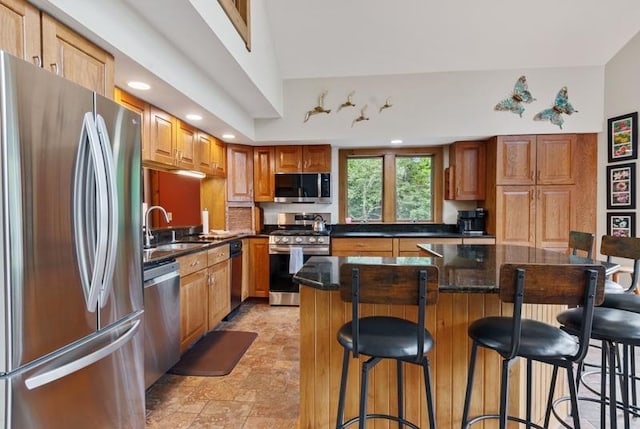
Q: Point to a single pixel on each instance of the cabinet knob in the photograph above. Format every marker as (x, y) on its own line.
(37, 61)
(54, 67)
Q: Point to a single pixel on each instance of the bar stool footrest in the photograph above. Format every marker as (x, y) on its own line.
(483, 417)
(379, 416)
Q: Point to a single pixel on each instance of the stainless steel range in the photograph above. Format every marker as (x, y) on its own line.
(290, 246)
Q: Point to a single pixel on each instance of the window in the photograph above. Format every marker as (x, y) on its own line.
(384, 185)
(238, 13)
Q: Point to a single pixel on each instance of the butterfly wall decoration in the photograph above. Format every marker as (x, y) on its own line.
(519, 95)
(560, 105)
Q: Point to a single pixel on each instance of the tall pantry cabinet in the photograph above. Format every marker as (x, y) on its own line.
(539, 187)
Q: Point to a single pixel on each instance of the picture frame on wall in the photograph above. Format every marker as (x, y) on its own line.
(621, 192)
(623, 137)
(621, 224)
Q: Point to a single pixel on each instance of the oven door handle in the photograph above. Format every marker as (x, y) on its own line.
(306, 250)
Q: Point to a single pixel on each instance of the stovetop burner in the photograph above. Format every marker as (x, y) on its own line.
(298, 232)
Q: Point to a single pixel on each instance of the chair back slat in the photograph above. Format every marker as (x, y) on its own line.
(620, 247)
(562, 284)
(583, 241)
(389, 284)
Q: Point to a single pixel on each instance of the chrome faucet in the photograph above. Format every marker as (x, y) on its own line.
(147, 232)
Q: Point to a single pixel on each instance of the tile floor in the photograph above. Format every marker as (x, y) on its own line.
(261, 391)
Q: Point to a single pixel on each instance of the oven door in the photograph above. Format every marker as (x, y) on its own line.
(282, 289)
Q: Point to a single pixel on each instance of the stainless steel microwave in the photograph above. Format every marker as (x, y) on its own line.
(302, 188)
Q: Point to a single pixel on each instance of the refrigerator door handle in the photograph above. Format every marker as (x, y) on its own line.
(88, 254)
(71, 367)
(112, 196)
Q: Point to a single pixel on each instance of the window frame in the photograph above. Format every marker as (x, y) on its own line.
(388, 179)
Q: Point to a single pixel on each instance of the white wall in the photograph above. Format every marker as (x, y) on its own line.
(622, 96)
(434, 107)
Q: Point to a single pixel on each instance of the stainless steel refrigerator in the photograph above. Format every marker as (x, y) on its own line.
(71, 351)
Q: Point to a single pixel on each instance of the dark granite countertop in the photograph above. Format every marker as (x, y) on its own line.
(464, 268)
(151, 257)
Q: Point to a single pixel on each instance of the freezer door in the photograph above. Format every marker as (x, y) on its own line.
(119, 131)
(43, 302)
(98, 383)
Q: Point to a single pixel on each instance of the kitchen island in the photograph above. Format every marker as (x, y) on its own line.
(468, 286)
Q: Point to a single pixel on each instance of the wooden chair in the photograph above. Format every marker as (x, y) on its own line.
(581, 241)
(622, 247)
(514, 337)
(386, 337)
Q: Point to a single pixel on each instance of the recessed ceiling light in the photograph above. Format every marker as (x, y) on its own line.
(396, 141)
(194, 117)
(139, 85)
(228, 136)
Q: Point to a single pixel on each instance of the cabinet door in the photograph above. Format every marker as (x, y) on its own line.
(193, 308)
(219, 158)
(20, 30)
(240, 173)
(219, 298)
(555, 159)
(73, 57)
(409, 246)
(316, 158)
(468, 159)
(555, 213)
(288, 159)
(259, 273)
(516, 160)
(515, 215)
(204, 151)
(362, 247)
(162, 134)
(142, 108)
(186, 137)
(263, 176)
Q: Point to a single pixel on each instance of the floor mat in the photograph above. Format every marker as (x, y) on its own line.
(216, 354)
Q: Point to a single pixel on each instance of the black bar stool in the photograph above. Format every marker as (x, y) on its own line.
(386, 337)
(514, 337)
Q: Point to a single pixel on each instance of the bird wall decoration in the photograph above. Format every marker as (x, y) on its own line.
(349, 102)
(361, 117)
(519, 95)
(318, 109)
(554, 114)
(387, 104)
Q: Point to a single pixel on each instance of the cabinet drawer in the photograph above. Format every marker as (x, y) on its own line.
(192, 263)
(360, 244)
(218, 254)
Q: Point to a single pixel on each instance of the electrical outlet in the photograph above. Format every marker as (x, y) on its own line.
(170, 216)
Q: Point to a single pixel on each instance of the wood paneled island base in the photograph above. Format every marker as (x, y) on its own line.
(322, 312)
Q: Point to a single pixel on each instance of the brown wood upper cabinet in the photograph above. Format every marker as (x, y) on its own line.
(142, 108)
(303, 159)
(162, 137)
(186, 144)
(465, 176)
(263, 177)
(37, 37)
(535, 160)
(211, 155)
(239, 173)
(20, 30)
(73, 57)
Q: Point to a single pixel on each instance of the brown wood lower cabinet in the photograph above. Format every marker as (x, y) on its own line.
(323, 312)
(219, 298)
(193, 305)
(356, 246)
(259, 267)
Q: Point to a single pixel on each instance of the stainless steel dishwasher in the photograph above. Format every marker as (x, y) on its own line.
(161, 321)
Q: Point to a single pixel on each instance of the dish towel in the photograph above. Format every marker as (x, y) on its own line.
(295, 259)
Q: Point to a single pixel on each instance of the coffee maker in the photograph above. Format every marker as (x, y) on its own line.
(471, 222)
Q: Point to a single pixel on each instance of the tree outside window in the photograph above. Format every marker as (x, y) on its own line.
(383, 185)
